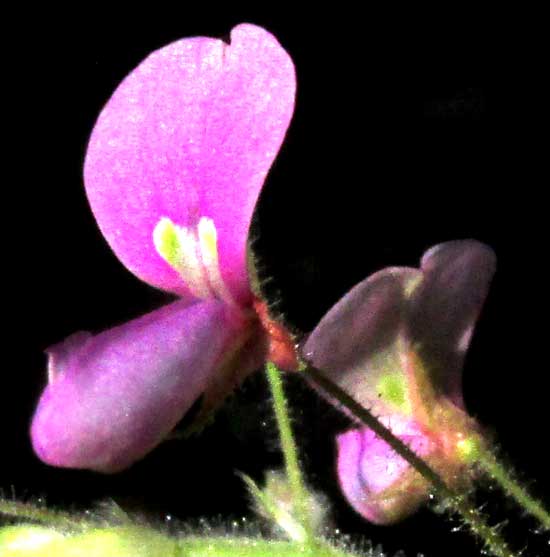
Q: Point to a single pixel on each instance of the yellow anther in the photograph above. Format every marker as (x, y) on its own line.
(208, 238)
(165, 238)
(193, 253)
(177, 245)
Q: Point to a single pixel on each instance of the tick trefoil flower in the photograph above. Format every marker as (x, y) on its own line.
(173, 169)
(396, 343)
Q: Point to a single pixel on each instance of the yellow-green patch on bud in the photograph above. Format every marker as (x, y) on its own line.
(411, 284)
(468, 449)
(392, 388)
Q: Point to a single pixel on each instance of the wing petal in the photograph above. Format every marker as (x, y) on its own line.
(114, 396)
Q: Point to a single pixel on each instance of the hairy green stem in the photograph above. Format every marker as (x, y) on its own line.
(35, 513)
(457, 502)
(290, 452)
(489, 463)
(239, 547)
(140, 541)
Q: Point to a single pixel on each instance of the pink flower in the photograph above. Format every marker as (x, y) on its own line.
(174, 167)
(396, 343)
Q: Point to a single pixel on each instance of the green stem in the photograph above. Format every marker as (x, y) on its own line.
(487, 460)
(290, 452)
(140, 541)
(28, 511)
(471, 515)
(242, 547)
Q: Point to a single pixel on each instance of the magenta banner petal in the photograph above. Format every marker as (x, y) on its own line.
(358, 345)
(378, 483)
(445, 307)
(114, 396)
(190, 133)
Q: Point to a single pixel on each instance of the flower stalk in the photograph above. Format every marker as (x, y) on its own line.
(40, 514)
(505, 479)
(289, 449)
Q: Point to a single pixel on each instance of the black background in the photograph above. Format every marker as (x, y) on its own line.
(404, 135)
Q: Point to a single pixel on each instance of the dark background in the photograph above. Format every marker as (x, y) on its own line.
(404, 135)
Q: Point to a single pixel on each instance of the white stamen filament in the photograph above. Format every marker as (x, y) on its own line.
(193, 253)
(189, 265)
(208, 239)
